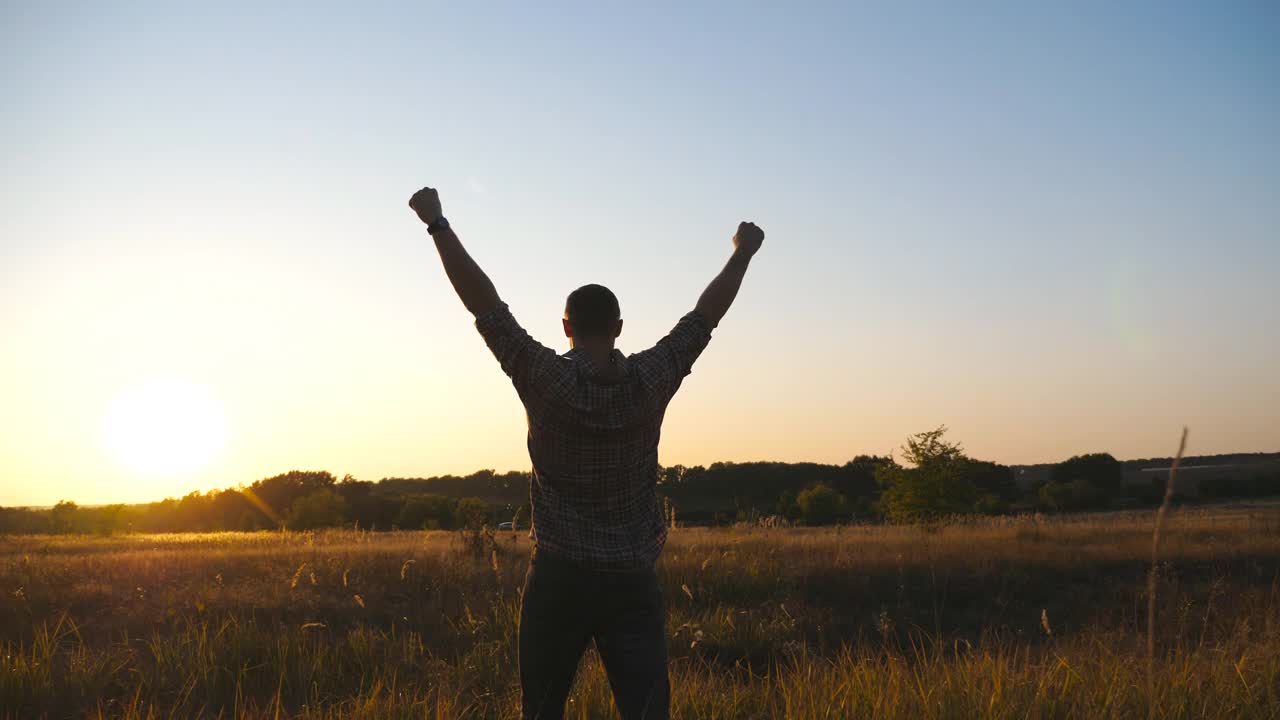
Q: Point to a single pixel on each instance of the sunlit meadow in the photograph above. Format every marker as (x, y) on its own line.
(999, 618)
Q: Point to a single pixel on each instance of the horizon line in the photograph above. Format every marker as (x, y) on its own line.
(1273, 454)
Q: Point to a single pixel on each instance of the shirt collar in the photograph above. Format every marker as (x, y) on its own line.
(582, 359)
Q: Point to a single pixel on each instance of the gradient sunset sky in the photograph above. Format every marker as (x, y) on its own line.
(1054, 227)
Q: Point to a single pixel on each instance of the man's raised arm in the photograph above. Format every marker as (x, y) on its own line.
(469, 281)
(719, 295)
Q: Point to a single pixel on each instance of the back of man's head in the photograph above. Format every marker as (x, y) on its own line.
(592, 312)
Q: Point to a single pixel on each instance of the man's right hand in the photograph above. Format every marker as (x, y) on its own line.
(749, 238)
(426, 202)
(473, 287)
(719, 295)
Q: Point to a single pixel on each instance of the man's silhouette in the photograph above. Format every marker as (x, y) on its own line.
(594, 421)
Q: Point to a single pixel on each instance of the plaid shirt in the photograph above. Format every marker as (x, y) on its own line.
(593, 439)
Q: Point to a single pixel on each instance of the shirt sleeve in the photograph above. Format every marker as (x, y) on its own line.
(666, 364)
(522, 358)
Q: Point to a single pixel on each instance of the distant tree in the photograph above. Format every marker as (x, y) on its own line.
(936, 487)
(366, 507)
(227, 509)
(23, 521)
(426, 512)
(694, 474)
(322, 508)
(275, 495)
(989, 504)
(1074, 496)
(1101, 470)
(1148, 493)
(250, 521)
(193, 513)
(108, 519)
(64, 517)
(821, 505)
(671, 475)
(992, 478)
(471, 513)
(857, 482)
(929, 448)
(755, 489)
(788, 507)
(509, 488)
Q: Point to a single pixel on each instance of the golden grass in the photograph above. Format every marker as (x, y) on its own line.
(1039, 618)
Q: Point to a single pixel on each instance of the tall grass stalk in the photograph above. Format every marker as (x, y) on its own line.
(1151, 576)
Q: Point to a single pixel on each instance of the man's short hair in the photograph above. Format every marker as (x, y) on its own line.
(592, 311)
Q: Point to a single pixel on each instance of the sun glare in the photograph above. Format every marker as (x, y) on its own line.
(164, 427)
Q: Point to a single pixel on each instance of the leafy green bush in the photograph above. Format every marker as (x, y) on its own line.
(938, 486)
(320, 509)
(820, 505)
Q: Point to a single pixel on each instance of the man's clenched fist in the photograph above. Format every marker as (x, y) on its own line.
(749, 238)
(426, 202)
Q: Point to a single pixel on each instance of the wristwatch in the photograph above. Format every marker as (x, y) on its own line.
(440, 223)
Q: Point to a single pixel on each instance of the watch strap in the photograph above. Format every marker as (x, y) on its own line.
(440, 223)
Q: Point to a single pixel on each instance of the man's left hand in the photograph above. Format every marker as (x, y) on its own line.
(426, 202)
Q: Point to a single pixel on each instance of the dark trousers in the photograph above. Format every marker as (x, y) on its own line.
(565, 607)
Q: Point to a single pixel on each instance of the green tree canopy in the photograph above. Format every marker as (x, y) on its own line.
(939, 485)
(322, 508)
(821, 505)
(1100, 470)
(427, 512)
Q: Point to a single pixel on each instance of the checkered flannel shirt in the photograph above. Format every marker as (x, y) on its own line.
(593, 439)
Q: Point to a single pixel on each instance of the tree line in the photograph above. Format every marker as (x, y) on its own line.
(932, 479)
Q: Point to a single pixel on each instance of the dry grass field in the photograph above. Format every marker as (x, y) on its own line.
(1001, 618)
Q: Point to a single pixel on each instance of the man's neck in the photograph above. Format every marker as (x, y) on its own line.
(600, 351)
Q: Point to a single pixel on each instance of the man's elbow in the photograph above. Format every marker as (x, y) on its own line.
(482, 303)
(710, 315)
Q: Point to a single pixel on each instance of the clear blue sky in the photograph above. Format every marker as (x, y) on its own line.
(1053, 227)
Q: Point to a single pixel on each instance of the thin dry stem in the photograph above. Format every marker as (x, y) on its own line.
(1151, 577)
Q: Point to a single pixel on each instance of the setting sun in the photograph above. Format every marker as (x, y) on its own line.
(164, 427)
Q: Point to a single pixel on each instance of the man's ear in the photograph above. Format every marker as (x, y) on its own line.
(568, 331)
(617, 330)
